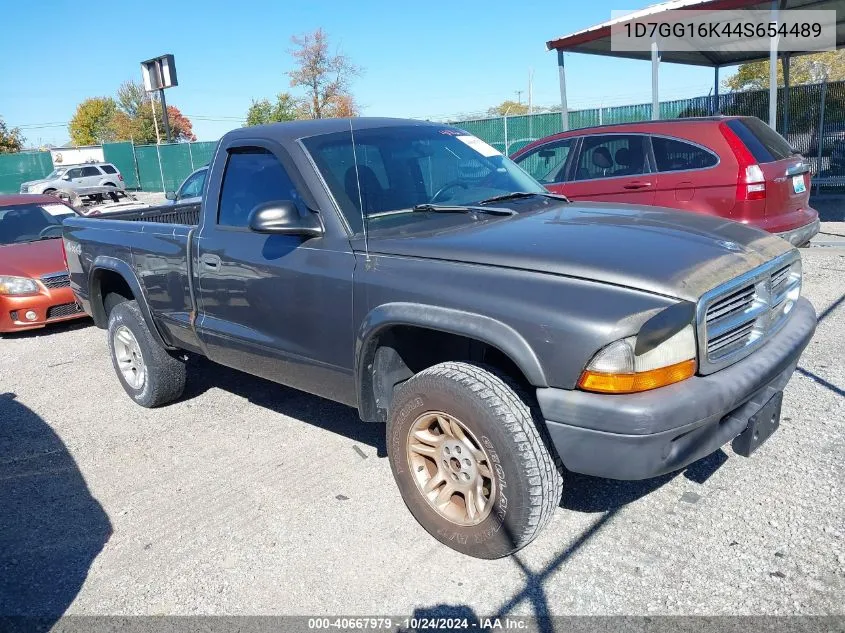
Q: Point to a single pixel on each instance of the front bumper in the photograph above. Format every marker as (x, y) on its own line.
(49, 306)
(637, 436)
(801, 235)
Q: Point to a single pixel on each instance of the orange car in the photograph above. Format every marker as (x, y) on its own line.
(34, 285)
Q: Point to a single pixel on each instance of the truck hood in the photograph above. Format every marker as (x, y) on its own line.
(32, 259)
(41, 181)
(663, 251)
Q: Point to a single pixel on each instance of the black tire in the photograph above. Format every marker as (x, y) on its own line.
(529, 483)
(112, 299)
(163, 375)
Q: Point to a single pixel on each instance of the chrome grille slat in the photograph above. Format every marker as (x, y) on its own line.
(733, 303)
(739, 316)
(716, 344)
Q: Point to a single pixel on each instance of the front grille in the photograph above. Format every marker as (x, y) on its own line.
(56, 280)
(739, 316)
(63, 310)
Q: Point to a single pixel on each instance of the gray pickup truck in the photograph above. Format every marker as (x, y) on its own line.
(504, 334)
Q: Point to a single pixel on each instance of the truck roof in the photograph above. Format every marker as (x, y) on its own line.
(292, 130)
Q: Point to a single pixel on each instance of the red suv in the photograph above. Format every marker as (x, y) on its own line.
(733, 167)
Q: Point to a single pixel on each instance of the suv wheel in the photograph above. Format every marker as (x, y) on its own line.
(146, 371)
(470, 460)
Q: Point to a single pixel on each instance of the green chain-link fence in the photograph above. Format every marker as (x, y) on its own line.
(144, 167)
(18, 168)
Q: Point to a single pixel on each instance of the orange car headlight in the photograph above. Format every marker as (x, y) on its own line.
(618, 369)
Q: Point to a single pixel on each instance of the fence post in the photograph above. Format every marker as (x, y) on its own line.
(506, 134)
(820, 136)
(160, 168)
(191, 156)
(135, 162)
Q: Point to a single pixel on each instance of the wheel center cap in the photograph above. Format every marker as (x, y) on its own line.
(458, 461)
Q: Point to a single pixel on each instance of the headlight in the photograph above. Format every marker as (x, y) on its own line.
(17, 286)
(618, 369)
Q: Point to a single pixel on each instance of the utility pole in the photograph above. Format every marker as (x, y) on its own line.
(519, 96)
(530, 91)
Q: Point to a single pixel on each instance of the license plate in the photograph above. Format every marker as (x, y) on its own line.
(798, 185)
(760, 427)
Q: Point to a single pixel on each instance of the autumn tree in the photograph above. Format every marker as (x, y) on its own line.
(286, 108)
(326, 77)
(91, 123)
(133, 120)
(11, 139)
(508, 108)
(803, 69)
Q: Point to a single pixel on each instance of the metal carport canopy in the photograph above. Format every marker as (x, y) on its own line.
(596, 40)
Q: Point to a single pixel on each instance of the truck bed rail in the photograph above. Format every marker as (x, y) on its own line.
(188, 214)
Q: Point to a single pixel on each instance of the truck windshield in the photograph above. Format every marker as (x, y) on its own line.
(56, 173)
(28, 223)
(395, 169)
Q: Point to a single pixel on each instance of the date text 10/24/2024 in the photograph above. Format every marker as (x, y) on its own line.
(417, 623)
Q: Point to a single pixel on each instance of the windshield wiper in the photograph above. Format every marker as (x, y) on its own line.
(516, 195)
(462, 208)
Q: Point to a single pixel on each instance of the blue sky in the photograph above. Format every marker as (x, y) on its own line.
(421, 59)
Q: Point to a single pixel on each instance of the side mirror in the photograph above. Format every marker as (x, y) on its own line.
(65, 177)
(283, 218)
(170, 195)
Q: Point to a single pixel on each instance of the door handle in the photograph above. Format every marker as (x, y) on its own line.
(636, 185)
(211, 262)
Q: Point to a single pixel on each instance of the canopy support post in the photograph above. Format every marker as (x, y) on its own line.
(564, 109)
(655, 98)
(773, 69)
(716, 108)
(786, 60)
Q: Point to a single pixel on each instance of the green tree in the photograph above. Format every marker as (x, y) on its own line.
(508, 108)
(326, 77)
(11, 139)
(263, 111)
(803, 69)
(91, 123)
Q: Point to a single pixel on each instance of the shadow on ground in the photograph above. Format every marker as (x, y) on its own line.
(51, 528)
(53, 329)
(314, 410)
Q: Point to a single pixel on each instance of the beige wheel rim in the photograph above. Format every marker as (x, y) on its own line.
(451, 468)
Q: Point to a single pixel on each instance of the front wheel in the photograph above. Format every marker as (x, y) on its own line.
(146, 371)
(470, 459)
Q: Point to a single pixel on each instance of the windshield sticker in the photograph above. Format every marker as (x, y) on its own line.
(56, 209)
(479, 146)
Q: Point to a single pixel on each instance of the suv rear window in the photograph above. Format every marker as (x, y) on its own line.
(763, 142)
(108, 169)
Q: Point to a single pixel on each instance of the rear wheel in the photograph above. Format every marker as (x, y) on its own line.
(469, 457)
(146, 371)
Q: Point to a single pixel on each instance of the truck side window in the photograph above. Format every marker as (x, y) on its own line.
(253, 175)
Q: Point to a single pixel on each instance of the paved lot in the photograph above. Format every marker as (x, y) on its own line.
(246, 497)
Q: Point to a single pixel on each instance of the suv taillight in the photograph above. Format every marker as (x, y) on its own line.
(120, 177)
(750, 182)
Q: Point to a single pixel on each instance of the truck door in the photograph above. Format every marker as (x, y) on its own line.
(277, 306)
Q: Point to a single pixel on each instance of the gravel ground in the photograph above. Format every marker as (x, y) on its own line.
(249, 498)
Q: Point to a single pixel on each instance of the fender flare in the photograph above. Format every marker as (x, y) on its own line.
(482, 328)
(113, 264)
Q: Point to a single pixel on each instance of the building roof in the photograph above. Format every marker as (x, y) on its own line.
(596, 40)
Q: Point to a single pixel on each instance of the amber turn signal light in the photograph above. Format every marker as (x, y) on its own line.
(641, 381)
